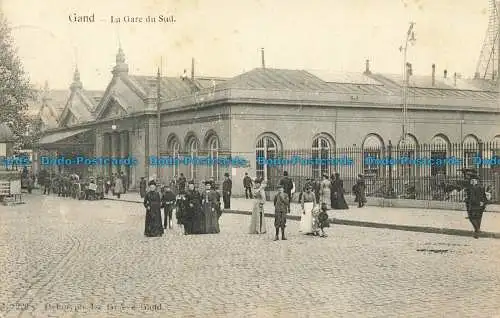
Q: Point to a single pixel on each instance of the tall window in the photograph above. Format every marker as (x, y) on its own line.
(175, 148)
(321, 148)
(406, 149)
(213, 148)
(193, 152)
(439, 150)
(471, 150)
(372, 149)
(266, 149)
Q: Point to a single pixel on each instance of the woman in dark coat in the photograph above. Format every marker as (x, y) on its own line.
(152, 203)
(338, 194)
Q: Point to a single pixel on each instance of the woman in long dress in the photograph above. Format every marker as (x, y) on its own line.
(325, 193)
(211, 206)
(258, 220)
(118, 187)
(152, 202)
(339, 202)
(308, 221)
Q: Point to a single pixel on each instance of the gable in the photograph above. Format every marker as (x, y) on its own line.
(122, 94)
(113, 110)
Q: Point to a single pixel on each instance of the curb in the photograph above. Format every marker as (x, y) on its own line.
(398, 227)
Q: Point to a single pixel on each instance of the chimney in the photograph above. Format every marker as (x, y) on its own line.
(184, 75)
(433, 74)
(192, 69)
(367, 67)
(445, 72)
(262, 56)
(455, 79)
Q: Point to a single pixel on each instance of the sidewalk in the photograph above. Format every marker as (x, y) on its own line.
(448, 222)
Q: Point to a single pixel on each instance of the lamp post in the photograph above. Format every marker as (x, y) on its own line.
(158, 119)
(410, 38)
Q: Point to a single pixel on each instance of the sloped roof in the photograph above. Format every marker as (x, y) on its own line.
(276, 79)
(171, 87)
(54, 100)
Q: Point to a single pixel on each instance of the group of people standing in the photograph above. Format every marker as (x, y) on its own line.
(197, 210)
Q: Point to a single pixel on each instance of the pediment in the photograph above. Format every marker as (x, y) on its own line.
(113, 110)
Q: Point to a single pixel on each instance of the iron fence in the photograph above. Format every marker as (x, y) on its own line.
(406, 171)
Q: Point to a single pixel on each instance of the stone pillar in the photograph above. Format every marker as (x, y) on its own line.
(99, 151)
(124, 154)
(114, 150)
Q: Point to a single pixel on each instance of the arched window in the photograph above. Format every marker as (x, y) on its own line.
(471, 150)
(192, 147)
(213, 149)
(267, 148)
(174, 148)
(321, 150)
(406, 148)
(439, 150)
(372, 149)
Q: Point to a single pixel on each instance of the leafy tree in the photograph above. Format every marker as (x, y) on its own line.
(15, 88)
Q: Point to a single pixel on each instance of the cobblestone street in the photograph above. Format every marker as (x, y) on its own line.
(61, 257)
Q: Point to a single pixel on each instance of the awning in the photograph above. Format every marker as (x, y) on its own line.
(55, 137)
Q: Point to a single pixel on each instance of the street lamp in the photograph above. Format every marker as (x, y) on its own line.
(113, 127)
(407, 71)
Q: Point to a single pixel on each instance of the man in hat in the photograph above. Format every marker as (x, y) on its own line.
(247, 184)
(152, 203)
(167, 202)
(476, 203)
(227, 186)
(359, 191)
(287, 184)
(142, 187)
(281, 208)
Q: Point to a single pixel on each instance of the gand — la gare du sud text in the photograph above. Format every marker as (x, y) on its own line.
(124, 19)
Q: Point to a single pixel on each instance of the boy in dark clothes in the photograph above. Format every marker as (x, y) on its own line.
(323, 220)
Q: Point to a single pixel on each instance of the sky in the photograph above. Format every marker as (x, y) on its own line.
(224, 36)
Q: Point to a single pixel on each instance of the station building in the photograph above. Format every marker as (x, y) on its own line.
(264, 113)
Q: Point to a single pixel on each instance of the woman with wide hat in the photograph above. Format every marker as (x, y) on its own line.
(258, 220)
(152, 202)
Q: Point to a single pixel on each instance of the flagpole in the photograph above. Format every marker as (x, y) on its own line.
(410, 37)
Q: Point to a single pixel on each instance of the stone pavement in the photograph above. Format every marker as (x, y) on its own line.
(420, 220)
(66, 258)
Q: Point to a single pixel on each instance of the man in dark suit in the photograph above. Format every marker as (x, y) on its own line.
(227, 186)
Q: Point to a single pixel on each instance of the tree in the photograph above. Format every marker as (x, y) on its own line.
(15, 90)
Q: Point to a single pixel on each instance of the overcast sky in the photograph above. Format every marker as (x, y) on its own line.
(225, 36)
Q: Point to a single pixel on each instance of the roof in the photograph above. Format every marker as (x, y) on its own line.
(276, 79)
(422, 86)
(171, 87)
(51, 103)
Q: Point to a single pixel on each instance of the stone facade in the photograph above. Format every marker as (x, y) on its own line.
(285, 109)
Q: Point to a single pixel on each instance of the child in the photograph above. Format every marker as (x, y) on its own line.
(323, 219)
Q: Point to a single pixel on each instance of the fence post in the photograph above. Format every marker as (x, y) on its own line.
(480, 155)
(390, 192)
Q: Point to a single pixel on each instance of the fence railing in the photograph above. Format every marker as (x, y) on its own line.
(422, 172)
